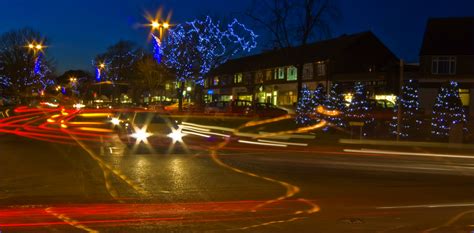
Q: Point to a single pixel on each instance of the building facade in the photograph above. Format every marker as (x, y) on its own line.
(447, 54)
(273, 76)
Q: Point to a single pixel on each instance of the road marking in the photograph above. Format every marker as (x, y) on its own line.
(409, 153)
(450, 221)
(69, 221)
(116, 172)
(272, 222)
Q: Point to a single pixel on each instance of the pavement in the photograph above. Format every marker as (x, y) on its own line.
(96, 184)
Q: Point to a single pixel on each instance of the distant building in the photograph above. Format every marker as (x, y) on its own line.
(447, 54)
(272, 76)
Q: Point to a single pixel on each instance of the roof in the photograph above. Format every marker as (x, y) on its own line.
(318, 51)
(449, 36)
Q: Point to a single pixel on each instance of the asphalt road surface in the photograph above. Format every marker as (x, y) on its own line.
(218, 185)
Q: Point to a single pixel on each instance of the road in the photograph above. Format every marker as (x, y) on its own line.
(99, 185)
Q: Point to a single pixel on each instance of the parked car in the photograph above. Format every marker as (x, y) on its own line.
(244, 108)
(266, 110)
(381, 110)
(158, 130)
(234, 107)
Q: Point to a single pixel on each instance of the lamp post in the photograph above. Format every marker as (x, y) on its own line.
(38, 56)
(157, 40)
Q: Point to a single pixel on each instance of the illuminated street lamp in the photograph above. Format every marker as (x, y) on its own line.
(157, 40)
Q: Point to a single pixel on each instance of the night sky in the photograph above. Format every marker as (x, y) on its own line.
(80, 29)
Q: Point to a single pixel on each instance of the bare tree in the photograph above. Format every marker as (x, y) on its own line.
(294, 22)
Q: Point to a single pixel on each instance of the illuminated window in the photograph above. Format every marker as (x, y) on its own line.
(465, 96)
(281, 73)
(320, 68)
(443, 65)
(238, 78)
(308, 71)
(292, 73)
(215, 81)
(268, 75)
(167, 86)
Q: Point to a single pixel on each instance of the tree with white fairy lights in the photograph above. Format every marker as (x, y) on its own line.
(359, 109)
(336, 102)
(305, 108)
(409, 106)
(448, 111)
(193, 49)
(318, 99)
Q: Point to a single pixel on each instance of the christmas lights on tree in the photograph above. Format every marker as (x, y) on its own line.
(38, 60)
(318, 99)
(447, 111)
(194, 48)
(409, 106)
(305, 108)
(359, 109)
(336, 102)
(157, 49)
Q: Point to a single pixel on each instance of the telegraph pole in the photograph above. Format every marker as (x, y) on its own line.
(400, 93)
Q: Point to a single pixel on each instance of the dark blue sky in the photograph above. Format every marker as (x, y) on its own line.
(80, 29)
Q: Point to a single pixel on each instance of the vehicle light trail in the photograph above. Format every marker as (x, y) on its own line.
(409, 153)
(262, 143)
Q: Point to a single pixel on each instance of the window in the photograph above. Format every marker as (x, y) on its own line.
(308, 71)
(321, 68)
(215, 81)
(259, 77)
(465, 96)
(443, 65)
(281, 73)
(292, 73)
(268, 75)
(238, 78)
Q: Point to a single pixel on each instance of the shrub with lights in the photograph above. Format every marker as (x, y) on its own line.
(318, 99)
(336, 102)
(359, 109)
(448, 111)
(305, 108)
(409, 106)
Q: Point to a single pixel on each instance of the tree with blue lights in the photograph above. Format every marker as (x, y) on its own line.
(409, 106)
(305, 108)
(359, 109)
(336, 102)
(193, 49)
(448, 111)
(119, 61)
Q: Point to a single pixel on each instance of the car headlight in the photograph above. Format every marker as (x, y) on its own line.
(115, 121)
(176, 135)
(141, 135)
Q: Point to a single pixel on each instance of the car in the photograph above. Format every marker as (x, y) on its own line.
(234, 107)
(187, 107)
(265, 110)
(158, 130)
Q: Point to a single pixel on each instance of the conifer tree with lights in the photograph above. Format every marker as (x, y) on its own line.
(305, 108)
(318, 99)
(359, 109)
(336, 102)
(447, 111)
(409, 106)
